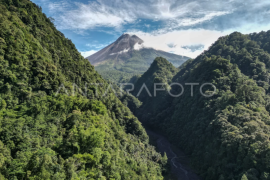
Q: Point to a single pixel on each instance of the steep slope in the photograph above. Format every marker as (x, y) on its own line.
(116, 50)
(160, 73)
(126, 57)
(226, 135)
(55, 123)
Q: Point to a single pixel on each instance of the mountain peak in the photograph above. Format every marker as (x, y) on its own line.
(126, 35)
(160, 63)
(128, 39)
(131, 47)
(123, 36)
(121, 48)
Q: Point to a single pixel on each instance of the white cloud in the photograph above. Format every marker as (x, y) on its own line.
(120, 52)
(58, 6)
(92, 15)
(88, 53)
(172, 14)
(205, 17)
(104, 13)
(219, 17)
(96, 45)
(138, 46)
(179, 39)
(247, 28)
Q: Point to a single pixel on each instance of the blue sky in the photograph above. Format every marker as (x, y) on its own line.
(185, 27)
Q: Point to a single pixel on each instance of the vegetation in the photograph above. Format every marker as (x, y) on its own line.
(226, 135)
(47, 132)
(161, 71)
(56, 124)
(139, 61)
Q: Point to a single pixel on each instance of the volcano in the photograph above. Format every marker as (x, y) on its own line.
(128, 56)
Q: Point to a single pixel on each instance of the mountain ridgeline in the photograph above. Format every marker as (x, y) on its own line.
(225, 135)
(45, 131)
(127, 57)
(55, 122)
(161, 71)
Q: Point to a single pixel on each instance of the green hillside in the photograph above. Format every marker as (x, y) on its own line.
(161, 71)
(50, 134)
(226, 135)
(122, 70)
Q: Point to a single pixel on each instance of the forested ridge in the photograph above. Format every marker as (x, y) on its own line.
(73, 132)
(50, 135)
(161, 71)
(226, 135)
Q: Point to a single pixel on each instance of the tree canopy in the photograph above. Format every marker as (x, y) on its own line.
(226, 135)
(51, 134)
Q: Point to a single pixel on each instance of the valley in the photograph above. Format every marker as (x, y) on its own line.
(226, 135)
(178, 160)
(63, 116)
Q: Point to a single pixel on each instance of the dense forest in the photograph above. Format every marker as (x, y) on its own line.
(161, 72)
(51, 126)
(225, 135)
(56, 123)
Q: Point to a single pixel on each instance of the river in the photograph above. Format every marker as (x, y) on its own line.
(177, 159)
